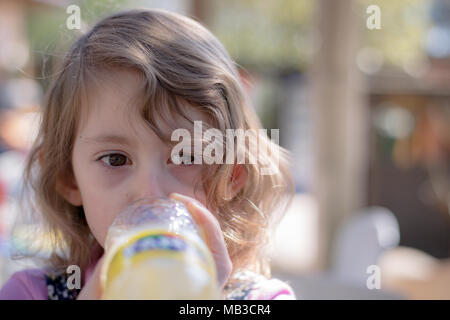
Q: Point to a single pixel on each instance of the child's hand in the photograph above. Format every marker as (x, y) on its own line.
(213, 233)
(91, 290)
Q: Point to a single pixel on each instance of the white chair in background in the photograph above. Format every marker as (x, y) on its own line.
(360, 242)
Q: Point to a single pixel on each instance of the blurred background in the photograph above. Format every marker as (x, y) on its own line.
(360, 90)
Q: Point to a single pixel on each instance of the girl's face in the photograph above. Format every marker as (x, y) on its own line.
(118, 159)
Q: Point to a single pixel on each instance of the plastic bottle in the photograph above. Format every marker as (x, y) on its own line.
(154, 251)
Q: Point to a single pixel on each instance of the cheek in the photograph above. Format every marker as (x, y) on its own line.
(184, 184)
(103, 193)
(101, 202)
(99, 215)
(185, 176)
(109, 180)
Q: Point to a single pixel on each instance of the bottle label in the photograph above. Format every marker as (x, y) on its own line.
(155, 242)
(150, 244)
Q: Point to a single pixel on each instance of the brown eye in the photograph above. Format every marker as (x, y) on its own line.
(115, 159)
(186, 159)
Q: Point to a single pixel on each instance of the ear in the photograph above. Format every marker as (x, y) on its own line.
(238, 179)
(67, 187)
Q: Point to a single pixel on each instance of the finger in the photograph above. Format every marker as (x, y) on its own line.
(186, 199)
(202, 216)
(210, 226)
(92, 288)
(213, 234)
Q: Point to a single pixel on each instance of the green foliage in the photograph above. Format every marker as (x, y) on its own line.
(279, 34)
(264, 33)
(260, 33)
(404, 24)
(94, 10)
(49, 37)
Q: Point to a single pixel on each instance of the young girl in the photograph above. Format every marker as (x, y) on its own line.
(105, 141)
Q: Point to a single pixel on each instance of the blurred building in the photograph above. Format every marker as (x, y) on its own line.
(410, 153)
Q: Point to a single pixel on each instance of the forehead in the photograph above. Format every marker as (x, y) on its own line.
(115, 100)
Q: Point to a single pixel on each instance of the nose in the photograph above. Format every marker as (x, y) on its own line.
(149, 184)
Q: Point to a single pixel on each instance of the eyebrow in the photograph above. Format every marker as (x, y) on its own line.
(109, 138)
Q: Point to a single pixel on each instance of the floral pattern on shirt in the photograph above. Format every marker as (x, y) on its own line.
(241, 284)
(57, 287)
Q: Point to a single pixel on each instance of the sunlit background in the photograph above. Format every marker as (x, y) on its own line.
(365, 112)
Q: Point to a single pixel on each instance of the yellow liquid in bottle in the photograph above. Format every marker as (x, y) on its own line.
(157, 264)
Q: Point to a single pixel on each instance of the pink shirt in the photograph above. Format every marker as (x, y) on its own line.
(31, 284)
